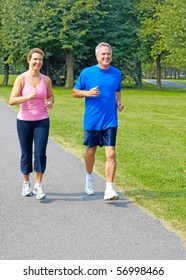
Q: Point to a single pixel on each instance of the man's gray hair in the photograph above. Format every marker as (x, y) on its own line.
(102, 44)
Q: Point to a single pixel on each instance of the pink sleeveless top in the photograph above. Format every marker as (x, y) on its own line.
(33, 109)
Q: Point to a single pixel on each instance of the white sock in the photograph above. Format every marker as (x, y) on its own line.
(90, 176)
(109, 185)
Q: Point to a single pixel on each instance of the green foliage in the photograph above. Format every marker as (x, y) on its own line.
(138, 31)
(173, 29)
(150, 32)
(60, 26)
(16, 27)
(163, 30)
(29, 24)
(76, 21)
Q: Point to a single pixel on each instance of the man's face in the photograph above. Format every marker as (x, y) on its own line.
(104, 57)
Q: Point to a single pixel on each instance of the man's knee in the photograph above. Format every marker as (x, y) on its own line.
(90, 152)
(110, 153)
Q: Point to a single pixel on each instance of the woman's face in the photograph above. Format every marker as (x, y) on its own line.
(36, 61)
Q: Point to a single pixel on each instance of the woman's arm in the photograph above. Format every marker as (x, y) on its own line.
(15, 97)
(50, 97)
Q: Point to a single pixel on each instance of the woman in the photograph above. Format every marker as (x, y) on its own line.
(33, 91)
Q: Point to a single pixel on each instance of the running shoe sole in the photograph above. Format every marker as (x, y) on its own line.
(29, 194)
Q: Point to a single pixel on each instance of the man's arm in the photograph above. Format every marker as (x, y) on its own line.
(93, 92)
(118, 100)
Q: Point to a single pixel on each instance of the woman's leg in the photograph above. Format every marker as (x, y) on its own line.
(25, 135)
(41, 132)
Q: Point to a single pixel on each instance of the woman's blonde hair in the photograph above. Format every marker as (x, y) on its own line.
(32, 51)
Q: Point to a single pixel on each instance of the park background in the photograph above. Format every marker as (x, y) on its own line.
(148, 39)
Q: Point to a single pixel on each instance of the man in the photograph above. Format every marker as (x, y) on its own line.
(100, 85)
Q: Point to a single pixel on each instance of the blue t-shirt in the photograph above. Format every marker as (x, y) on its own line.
(100, 112)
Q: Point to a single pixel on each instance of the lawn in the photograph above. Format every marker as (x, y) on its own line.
(151, 147)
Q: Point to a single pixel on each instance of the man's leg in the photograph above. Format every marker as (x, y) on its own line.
(110, 170)
(89, 162)
(90, 159)
(110, 165)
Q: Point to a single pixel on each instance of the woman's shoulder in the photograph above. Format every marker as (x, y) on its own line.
(20, 78)
(47, 79)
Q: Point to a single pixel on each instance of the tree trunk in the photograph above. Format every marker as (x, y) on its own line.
(158, 64)
(165, 73)
(70, 71)
(171, 73)
(139, 73)
(6, 75)
(178, 74)
(175, 73)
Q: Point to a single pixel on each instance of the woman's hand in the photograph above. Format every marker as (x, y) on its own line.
(32, 94)
(49, 104)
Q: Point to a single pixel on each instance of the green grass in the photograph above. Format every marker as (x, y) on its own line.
(151, 147)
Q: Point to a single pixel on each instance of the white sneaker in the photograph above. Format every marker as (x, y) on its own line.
(26, 189)
(89, 187)
(111, 194)
(38, 190)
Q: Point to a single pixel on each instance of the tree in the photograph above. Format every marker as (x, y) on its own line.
(77, 19)
(150, 32)
(16, 25)
(173, 30)
(122, 26)
(28, 24)
(87, 23)
(68, 32)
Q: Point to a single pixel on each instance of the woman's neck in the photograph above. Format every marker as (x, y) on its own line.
(33, 73)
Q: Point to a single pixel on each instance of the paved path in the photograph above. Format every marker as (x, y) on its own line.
(165, 83)
(69, 225)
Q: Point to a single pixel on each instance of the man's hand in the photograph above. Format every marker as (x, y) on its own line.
(93, 92)
(120, 106)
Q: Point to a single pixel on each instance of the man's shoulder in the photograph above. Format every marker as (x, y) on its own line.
(115, 69)
(89, 69)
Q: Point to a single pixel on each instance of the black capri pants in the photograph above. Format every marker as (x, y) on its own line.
(29, 133)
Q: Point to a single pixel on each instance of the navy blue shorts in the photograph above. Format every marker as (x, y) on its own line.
(100, 138)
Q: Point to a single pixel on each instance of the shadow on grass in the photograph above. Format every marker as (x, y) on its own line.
(153, 195)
